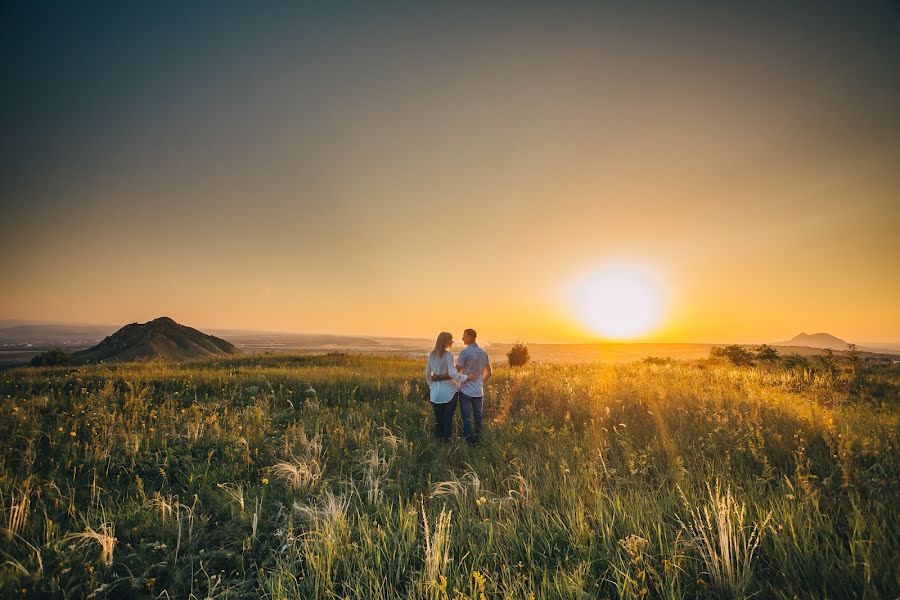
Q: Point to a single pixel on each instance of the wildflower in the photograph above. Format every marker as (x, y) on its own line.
(479, 583)
(265, 481)
(481, 501)
(151, 582)
(60, 430)
(71, 434)
(634, 545)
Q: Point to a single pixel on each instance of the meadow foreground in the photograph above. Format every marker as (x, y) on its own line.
(318, 477)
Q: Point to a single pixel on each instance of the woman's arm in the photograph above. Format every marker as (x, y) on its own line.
(428, 371)
(451, 369)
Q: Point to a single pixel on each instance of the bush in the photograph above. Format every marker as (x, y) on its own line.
(50, 358)
(795, 360)
(518, 355)
(736, 355)
(658, 360)
(766, 353)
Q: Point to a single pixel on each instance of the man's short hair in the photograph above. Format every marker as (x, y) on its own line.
(470, 332)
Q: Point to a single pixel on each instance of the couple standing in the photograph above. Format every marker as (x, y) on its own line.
(458, 382)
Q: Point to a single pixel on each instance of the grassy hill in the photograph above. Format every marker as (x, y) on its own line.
(317, 477)
(159, 338)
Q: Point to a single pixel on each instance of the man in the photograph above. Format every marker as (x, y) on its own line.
(473, 360)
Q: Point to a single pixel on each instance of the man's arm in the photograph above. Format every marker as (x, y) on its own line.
(488, 372)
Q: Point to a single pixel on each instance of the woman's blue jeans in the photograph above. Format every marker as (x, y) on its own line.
(443, 417)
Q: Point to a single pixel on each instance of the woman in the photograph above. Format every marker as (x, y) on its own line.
(442, 376)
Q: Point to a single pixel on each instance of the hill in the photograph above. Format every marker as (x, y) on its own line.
(159, 338)
(816, 340)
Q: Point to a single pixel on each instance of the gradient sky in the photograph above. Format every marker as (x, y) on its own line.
(398, 169)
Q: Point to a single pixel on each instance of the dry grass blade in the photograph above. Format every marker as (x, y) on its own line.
(437, 545)
(725, 543)
(18, 515)
(299, 475)
(105, 538)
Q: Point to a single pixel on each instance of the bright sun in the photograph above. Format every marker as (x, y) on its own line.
(618, 301)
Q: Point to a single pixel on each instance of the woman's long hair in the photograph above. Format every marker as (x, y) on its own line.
(440, 346)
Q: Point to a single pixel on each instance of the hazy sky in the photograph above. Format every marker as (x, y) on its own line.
(398, 169)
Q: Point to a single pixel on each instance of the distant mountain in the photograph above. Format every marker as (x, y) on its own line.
(816, 340)
(159, 338)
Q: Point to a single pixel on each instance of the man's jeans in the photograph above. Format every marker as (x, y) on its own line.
(471, 407)
(443, 417)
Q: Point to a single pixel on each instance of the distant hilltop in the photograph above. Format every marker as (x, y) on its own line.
(159, 338)
(816, 340)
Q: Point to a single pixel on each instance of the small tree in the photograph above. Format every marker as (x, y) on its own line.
(794, 360)
(736, 355)
(858, 373)
(766, 353)
(827, 361)
(518, 355)
(50, 358)
(658, 360)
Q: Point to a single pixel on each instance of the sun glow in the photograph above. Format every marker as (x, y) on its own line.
(619, 301)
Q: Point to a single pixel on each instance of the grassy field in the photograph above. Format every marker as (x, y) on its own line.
(317, 477)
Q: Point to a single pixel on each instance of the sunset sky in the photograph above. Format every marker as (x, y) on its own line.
(399, 169)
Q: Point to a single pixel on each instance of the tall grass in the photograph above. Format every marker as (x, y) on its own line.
(725, 541)
(286, 477)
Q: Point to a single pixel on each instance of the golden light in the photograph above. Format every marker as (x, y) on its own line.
(619, 301)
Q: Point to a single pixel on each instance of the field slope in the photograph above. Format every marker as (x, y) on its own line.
(317, 477)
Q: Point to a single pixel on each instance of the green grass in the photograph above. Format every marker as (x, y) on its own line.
(285, 477)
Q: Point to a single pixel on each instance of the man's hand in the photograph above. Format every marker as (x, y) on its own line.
(472, 377)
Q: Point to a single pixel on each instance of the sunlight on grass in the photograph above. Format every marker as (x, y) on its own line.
(291, 477)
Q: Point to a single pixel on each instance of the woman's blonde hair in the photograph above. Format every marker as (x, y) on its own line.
(440, 346)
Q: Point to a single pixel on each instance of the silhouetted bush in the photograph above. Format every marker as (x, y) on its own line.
(795, 360)
(518, 355)
(658, 360)
(828, 362)
(736, 355)
(766, 353)
(50, 358)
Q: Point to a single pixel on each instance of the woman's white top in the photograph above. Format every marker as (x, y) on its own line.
(443, 391)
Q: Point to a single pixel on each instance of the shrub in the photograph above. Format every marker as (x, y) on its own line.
(736, 355)
(50, 358)
(766, 353)
(827, 361)
(658, 360)
(518, 355)
(795, 360)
